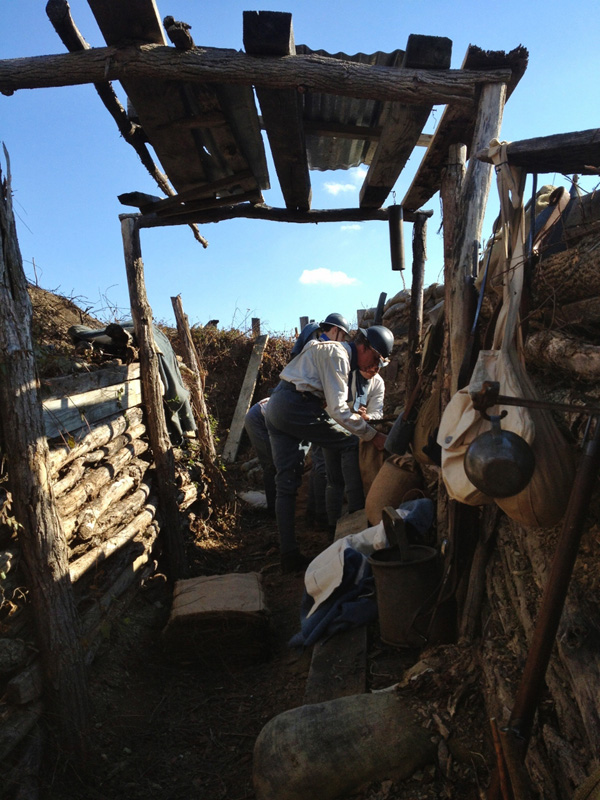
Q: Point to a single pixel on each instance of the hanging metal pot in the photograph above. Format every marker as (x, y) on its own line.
(499, 463)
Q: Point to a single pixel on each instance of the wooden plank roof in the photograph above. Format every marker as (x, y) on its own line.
(207, 133)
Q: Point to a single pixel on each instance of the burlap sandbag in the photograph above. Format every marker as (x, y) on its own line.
(370, 461)
(398, 481)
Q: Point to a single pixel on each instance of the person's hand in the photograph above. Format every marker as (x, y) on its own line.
(379, 440)
(363, 412)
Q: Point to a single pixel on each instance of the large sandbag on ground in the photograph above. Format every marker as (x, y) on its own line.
(326, 750)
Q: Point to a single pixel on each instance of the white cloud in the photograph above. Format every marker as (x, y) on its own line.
(326, 277)
(359, 174)
(352, 227)
(338, 188)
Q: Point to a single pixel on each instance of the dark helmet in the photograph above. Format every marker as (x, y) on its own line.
(337, 320)
(380, 338)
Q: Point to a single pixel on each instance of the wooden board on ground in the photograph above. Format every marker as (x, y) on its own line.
(351, 523)
(243, 404)
(222, 616)
(338, 667)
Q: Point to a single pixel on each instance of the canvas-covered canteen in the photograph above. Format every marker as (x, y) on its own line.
(543, 501)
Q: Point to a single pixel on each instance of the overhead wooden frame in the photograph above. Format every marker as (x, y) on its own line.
(457, 123)
(566, 153)
(219, 123)
(270, 33)
(403, 123)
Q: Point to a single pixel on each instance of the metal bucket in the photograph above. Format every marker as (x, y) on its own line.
(406, 593)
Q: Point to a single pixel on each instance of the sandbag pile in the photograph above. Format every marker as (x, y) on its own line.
(396, 311)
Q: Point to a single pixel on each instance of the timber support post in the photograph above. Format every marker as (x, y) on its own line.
(469, 221)
(191, 360)
(41, 535)
(415, 322)
(162, 449)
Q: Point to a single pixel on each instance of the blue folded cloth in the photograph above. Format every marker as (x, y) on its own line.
(352, 603)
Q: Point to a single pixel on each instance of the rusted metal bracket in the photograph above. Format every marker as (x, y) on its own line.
(489, 396)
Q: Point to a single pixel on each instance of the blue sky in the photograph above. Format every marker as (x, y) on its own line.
(69, 162)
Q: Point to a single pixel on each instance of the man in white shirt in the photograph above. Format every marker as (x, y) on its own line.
(310, 404)
(334, 327)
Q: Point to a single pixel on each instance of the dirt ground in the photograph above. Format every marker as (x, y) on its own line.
(163, 727)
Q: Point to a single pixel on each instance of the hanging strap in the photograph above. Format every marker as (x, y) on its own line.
(511, 184)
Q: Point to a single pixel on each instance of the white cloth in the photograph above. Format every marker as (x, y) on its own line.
(323, 369)
(325, 572)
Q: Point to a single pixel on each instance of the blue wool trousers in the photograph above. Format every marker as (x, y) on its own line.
(295, 419)
(256, 428)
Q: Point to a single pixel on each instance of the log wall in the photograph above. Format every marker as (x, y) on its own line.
(103, 480)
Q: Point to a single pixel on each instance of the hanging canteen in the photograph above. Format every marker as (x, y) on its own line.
(499, 463)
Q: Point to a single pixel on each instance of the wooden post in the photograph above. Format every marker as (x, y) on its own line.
(152, 394)
(396, 227)
(464, 196)
(197, 394)
(41, 536)
(303, 322)
(451, 188)
(255, 326)
(415, 322)
(244, 400)
(469, 222)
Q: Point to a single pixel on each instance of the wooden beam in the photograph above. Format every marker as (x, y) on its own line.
(232, 444)
(213, 120)
(148, 204)
(193, 206)
(249, 211)
(59, 13)
(313, 73)
(136, 19)
(152, 392)
(563, 152)
(457, 124)
(403, 123)
(270, 33)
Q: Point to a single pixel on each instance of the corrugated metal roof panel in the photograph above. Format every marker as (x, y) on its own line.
(331, 152)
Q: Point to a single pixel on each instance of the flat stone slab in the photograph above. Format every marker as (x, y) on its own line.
(219, 615)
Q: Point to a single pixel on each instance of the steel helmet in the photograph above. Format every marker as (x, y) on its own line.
(337, 320)
(379, 338)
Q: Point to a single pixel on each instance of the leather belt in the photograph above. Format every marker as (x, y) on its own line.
(306, 395)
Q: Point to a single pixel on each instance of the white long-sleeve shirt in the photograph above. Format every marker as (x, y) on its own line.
(323, 368)
(375, 394)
